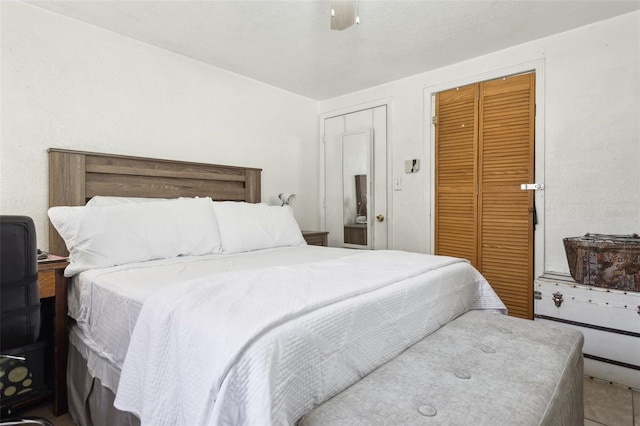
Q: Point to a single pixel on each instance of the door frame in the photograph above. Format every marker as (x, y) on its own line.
(536, 66)
(386, 102)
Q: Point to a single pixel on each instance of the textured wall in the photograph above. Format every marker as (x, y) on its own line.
(69, 85)
(590, 137)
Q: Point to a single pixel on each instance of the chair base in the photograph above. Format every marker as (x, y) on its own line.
(26, 421)
(9, 410)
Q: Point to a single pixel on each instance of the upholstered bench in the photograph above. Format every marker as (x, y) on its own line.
(480, 369)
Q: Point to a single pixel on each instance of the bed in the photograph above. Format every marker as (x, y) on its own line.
(239, 322)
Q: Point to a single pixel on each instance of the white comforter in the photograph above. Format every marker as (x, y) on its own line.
(266, 345)
(106, 302)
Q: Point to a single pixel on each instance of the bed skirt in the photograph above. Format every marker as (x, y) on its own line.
(90, 402)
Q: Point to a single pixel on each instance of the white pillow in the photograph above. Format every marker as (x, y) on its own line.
(246, 226)
(98, 237)
(103, 200)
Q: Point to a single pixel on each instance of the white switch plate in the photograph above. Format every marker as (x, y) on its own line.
(397, 184)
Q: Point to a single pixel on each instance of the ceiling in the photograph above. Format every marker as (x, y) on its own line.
(289, 44)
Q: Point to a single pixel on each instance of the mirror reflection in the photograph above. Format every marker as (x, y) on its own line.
(355, 159)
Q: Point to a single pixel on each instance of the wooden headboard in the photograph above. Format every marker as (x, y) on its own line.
(76, 176)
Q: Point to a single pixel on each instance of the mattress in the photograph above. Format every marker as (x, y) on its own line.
(284, 371)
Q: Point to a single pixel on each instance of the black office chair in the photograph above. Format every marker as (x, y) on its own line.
(20, 321)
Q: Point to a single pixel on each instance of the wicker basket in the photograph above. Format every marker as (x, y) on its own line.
(611, 261)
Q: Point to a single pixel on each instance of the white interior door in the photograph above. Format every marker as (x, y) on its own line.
(355, 147)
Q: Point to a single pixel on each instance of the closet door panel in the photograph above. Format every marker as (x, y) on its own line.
(455, 180)
(506, 160)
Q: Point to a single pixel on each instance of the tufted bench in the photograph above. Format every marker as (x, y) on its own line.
(480, 369)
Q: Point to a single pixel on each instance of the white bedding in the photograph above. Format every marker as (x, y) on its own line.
(106, 302)
(277, 370)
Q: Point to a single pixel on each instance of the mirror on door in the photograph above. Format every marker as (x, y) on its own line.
(356, 172)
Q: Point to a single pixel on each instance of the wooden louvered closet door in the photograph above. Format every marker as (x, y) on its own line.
(456, 176)
(481, 212)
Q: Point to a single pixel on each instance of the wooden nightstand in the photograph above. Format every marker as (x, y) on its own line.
(53, 283)
(316, 238)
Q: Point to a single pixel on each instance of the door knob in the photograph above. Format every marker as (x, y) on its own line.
(380, 218)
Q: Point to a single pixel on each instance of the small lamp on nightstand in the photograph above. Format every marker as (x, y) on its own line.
(286, 198)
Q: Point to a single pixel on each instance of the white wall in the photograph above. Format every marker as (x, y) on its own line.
(590, 137)
(66, 84)
(70, 85)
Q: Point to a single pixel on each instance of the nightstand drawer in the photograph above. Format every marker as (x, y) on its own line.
(316, 238)
(47, 283)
